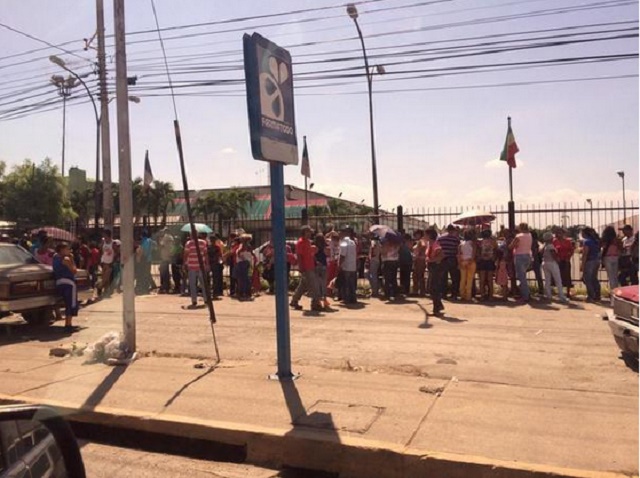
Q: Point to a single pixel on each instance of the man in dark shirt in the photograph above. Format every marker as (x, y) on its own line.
(449, 243)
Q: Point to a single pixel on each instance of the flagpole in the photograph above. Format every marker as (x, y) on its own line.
(305, 215)
(511, 206)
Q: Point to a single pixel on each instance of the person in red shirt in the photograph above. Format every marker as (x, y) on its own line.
(565, 249)
(306, 253)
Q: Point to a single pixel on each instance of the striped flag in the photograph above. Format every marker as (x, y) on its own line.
(510, 149)
(148, 175)
(305, 168)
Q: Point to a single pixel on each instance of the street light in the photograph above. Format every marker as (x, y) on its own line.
(60, 62)
(591, 208)
(624, 199)
(352, 11)
(134, 99)
(64, 89)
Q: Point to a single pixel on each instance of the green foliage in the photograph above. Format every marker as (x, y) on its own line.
(153, 201)
(35, 194)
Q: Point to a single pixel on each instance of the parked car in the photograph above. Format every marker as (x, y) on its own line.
(37, 442)
(27, 287)
(623, 319)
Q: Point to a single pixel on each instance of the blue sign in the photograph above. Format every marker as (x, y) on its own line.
(269, 82)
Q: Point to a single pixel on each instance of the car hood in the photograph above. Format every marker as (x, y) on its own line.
(629, 292)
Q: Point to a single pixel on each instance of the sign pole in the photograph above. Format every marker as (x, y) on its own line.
(282, 294)
(269, 84)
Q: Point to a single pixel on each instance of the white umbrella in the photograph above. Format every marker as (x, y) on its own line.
(474, 217)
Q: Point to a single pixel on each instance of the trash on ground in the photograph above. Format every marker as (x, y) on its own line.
(110, 346)
(432, 390)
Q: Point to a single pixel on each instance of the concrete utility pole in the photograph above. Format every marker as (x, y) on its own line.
(126, 192)
(107, 195)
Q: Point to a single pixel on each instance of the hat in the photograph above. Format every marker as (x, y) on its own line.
(626, 227)
(246, 236)
(547, 236)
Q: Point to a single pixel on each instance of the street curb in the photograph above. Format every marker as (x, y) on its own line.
(348, 457)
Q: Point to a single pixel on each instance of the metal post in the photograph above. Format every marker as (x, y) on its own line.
(64, 123)
(107, 194)
(374, 168)
(400, 219)
(511, 206)
(624, 203)
(282, 293)
(126, 193)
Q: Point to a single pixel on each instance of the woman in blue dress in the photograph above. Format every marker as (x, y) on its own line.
(64, 272)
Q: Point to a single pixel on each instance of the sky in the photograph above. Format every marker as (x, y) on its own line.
(436, 146)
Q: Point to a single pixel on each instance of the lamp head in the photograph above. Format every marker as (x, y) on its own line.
(311, 185)
(620, 173)
(380, 69)
(352, 11)
(134, 99)
(57, 60)
(589, 201)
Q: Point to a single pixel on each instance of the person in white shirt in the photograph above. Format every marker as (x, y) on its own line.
(348, 267)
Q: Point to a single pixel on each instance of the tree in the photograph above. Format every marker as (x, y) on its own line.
(162, 196)
(82, 203)
(35, 194)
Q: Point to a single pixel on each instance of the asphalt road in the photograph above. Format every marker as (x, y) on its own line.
(103, 461)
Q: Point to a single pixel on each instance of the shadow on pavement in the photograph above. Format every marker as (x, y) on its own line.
(630, 361)
(300, 419)
(16, 332)
(355, 306)
(101, 390)
(187, 385)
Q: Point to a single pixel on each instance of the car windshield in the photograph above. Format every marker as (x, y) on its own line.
(12, 255)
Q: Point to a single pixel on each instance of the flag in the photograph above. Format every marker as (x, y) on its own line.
(510, 149)
(305, 169)
(148, 175)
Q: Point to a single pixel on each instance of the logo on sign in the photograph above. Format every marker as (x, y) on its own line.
(271, 81)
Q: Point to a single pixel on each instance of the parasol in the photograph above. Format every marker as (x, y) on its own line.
(474, 217)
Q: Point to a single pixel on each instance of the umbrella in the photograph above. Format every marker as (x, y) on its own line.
(199, 228)
(385, 232)
(474, 218)
(56, 233)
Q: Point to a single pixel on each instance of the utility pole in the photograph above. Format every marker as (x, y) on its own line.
(107, 195)
(126, 193)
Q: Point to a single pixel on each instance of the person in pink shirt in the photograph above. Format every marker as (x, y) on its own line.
(521, 247)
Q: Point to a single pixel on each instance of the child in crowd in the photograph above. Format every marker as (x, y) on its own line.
(502, 273)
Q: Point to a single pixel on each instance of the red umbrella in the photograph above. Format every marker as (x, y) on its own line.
(56, 233)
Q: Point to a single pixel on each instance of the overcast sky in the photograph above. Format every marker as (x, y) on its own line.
(438, 146)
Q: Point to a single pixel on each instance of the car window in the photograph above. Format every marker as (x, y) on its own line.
(13, 255)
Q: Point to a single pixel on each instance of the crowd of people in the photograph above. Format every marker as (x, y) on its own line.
(464, 264)
(461, 263)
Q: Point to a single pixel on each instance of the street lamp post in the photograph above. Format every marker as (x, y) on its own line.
(624, 198)
(352, 11)
(60, 62)
(590, 202)
(64, 89)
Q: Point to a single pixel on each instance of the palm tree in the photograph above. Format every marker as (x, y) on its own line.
(164, 197)
(80, 202)
(232, 204)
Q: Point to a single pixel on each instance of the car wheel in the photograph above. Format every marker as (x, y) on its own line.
(38, 316)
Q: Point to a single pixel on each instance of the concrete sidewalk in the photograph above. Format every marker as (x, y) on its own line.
(385, 390)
